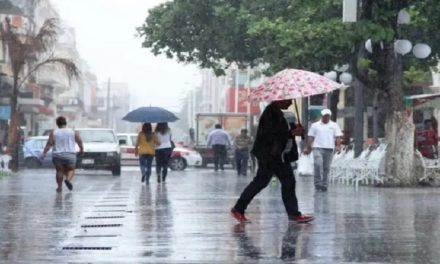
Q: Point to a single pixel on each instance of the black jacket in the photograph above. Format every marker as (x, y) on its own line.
(272, 135)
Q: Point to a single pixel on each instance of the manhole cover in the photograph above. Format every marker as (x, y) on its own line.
(103, 225)
(80, 236)
(113, 201)
(111, 205)
(105, 217)
(87, 248)
(107, 211)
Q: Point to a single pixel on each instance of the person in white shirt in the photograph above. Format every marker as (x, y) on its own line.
(219, 140)
(324, 138)
(163, 151)
(62, 141)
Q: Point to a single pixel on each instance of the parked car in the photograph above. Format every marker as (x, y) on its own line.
(32, 149)
(101, 150)
(127, 142)
(181, 157)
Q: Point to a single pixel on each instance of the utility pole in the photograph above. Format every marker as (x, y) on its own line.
(108, 103)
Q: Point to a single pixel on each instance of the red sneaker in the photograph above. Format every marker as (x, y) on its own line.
(239, 216)
(299, 219)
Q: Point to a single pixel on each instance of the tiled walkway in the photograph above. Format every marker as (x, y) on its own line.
(119, 220)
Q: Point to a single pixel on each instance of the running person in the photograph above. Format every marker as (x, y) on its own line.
(63, 140)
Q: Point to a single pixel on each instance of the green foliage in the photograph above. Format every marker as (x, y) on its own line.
(363, 63)
(414, 75)
(285, 33)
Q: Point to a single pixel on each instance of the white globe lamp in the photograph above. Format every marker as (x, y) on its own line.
(402, 46)
(369, 46)
(403, 17)
(421, 51)
(346, 78)
(341, 68)
(332, 75)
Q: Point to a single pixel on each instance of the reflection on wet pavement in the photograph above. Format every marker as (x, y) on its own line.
(186, 220)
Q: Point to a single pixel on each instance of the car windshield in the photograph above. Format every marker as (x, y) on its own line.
(104, 136)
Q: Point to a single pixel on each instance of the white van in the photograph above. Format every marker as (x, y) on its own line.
(101, 150)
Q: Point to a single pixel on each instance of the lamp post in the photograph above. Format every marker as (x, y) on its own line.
(402, 47)
(338, 75)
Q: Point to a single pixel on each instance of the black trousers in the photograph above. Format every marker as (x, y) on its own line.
(162, 159)
(266, 169)
(219, 156)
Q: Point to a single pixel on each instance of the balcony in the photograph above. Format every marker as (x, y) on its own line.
(70, 104)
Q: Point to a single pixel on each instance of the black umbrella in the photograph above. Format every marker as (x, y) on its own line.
(150, 114)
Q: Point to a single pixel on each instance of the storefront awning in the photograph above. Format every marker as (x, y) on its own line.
(423, 101)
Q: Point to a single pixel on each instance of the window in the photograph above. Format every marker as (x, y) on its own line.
(97, 136)
(123, 138)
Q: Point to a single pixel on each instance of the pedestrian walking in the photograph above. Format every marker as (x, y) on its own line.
(146, 148)
(163, 151)
(62, 141)
(324, 137)
(242, 144)
(218, 139)
(273, 138)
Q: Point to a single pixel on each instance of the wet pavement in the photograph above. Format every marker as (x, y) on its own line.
(109, 219)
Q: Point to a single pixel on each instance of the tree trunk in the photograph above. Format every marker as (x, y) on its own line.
(376, 117)
(399, 128)
(358, 133)
(13, 127)
(399, 162)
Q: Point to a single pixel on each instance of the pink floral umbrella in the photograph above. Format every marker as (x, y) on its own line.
(292, 84)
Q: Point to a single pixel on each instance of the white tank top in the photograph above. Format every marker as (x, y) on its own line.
(165, 140)
(64, 140)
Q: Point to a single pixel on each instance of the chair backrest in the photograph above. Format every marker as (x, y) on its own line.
(364, 154)
(382, 147)
(4, 162)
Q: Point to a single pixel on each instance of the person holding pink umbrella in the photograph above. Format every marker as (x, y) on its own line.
(272, 147)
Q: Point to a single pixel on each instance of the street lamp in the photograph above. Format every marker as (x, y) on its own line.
(338, 75)
(344, 77)
(421, 51)
(404, 46)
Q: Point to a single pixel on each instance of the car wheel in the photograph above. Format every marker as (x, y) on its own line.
(177, 164)
(116, 170)
(32, 163)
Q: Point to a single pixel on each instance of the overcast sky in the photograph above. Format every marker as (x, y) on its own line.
(105, 32)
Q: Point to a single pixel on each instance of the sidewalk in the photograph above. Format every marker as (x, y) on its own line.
(117, 220)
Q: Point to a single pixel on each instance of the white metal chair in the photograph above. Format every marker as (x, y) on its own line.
(4, 165)
(431, 168)
(339, 167)
(356, 166)
(374, 166)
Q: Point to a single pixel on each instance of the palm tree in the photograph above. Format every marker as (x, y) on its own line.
(27, 53)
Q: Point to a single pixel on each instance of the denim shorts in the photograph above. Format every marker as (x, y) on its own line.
(64, 159)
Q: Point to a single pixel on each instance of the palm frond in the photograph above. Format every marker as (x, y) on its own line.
(69, 67)
(46, 36)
